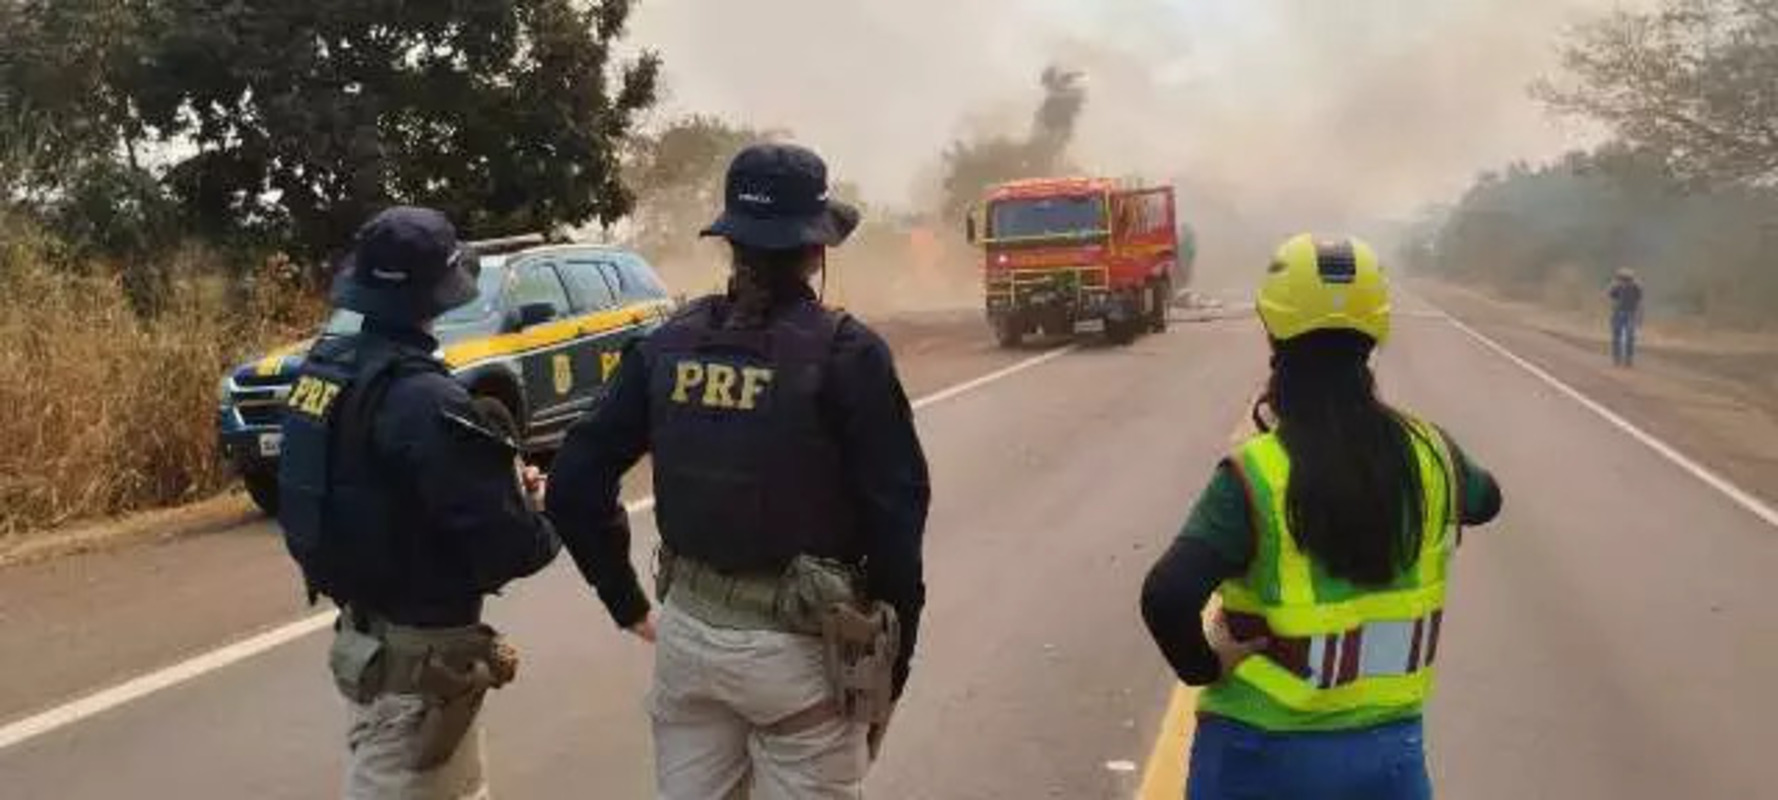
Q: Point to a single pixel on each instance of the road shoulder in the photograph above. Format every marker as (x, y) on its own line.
(1679, 392)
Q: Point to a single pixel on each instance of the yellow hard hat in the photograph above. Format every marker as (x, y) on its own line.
(1325, 284)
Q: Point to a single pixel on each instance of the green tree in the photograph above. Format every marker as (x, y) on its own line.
(62, 69)
(70, 142)
(288, 123)
(308, 116)
(678, 172)
(1691, 81)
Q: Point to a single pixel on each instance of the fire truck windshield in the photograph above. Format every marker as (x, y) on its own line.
(1077, 217)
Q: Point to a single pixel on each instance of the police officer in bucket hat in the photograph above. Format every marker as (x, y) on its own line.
(791, 501)
(401, 506)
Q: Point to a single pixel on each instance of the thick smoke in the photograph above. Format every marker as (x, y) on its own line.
(1271, 115)
(1053, 128)
(972, 165)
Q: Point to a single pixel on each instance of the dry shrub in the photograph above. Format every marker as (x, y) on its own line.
(105, 411)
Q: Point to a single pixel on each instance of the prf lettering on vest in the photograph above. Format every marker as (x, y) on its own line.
(718, 385)
(312, 396)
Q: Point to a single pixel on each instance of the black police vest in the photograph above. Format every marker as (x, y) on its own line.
(337, 515)
(747, 474)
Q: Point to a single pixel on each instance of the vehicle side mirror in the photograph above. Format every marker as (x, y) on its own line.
(969, 227)
(530, 314)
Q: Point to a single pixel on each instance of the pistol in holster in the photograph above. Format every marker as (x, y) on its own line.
(451, 670)
(862, 642)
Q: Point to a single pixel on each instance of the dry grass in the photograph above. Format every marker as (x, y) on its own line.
(103, 412)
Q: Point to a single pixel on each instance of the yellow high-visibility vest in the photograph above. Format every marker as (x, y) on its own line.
(1366, 648)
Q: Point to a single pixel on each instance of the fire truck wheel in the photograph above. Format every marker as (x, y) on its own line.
(1009, 332)
(1122, 332)
(1163, 298)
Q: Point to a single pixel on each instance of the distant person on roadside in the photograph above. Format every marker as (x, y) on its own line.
(404, 507)
(1626, 317)
(791, 501)
(1327, 537)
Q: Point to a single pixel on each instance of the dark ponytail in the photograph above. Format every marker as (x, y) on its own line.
(761, 279)
(1355, 501)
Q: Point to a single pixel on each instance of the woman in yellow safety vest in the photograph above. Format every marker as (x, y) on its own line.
(1327, 537)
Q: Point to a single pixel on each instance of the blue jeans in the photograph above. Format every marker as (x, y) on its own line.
(1233, 761)
(1623, 339)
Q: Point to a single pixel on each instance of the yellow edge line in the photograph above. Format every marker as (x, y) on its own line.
(1164, 774)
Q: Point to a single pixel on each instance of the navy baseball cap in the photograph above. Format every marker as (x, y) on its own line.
(406, 265)
(775, 198)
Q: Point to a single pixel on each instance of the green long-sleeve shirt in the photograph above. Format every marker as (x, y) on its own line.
(1217, 543)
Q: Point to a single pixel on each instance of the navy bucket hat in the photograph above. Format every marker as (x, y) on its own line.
(776, 198)
(406, 265)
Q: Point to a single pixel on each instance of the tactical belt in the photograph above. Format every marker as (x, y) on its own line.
(451, 668)
(406, 652)
(746, 602)
(1336, 659)
(796, 600)
(409, 649)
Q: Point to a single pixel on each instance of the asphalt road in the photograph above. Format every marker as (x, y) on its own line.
(1607, 637)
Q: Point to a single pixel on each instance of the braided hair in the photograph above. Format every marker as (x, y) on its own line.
(1354, 501)
(763, 278)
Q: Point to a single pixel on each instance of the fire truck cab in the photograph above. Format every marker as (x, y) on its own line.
(1065, 254)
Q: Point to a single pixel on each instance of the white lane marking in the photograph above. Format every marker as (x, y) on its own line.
(194, 667)
(34, 726)
(141, 686)
(970, 386)
(1740, 496)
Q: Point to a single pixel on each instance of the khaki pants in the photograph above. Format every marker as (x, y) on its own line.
(717, 695)
(380, 744)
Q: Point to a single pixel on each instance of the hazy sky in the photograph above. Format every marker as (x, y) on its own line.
(1331, 109)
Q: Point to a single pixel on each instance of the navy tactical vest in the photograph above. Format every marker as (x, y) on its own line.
(747, 473)
(336, 512)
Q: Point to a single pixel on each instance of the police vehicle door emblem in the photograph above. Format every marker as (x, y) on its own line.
(563, 371)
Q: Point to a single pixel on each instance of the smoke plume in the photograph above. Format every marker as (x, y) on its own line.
(1271, 116)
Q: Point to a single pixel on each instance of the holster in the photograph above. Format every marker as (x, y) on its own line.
(450, 669)
(810, 588)
(663, 572)
(862, 643)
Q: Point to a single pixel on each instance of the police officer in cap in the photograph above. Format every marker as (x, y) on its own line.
(404, 508)
(791, 500)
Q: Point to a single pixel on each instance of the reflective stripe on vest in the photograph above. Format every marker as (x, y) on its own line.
(1370, 649)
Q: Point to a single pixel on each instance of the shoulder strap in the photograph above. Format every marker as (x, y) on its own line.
(381, 367)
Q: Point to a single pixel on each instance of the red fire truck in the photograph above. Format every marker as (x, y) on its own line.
(1065, 254)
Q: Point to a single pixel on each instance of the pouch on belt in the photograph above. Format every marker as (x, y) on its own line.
(454, 676)
(450, 669)
(356, 661)
(809, 589)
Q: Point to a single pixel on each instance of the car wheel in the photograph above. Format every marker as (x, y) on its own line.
(263, 488)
